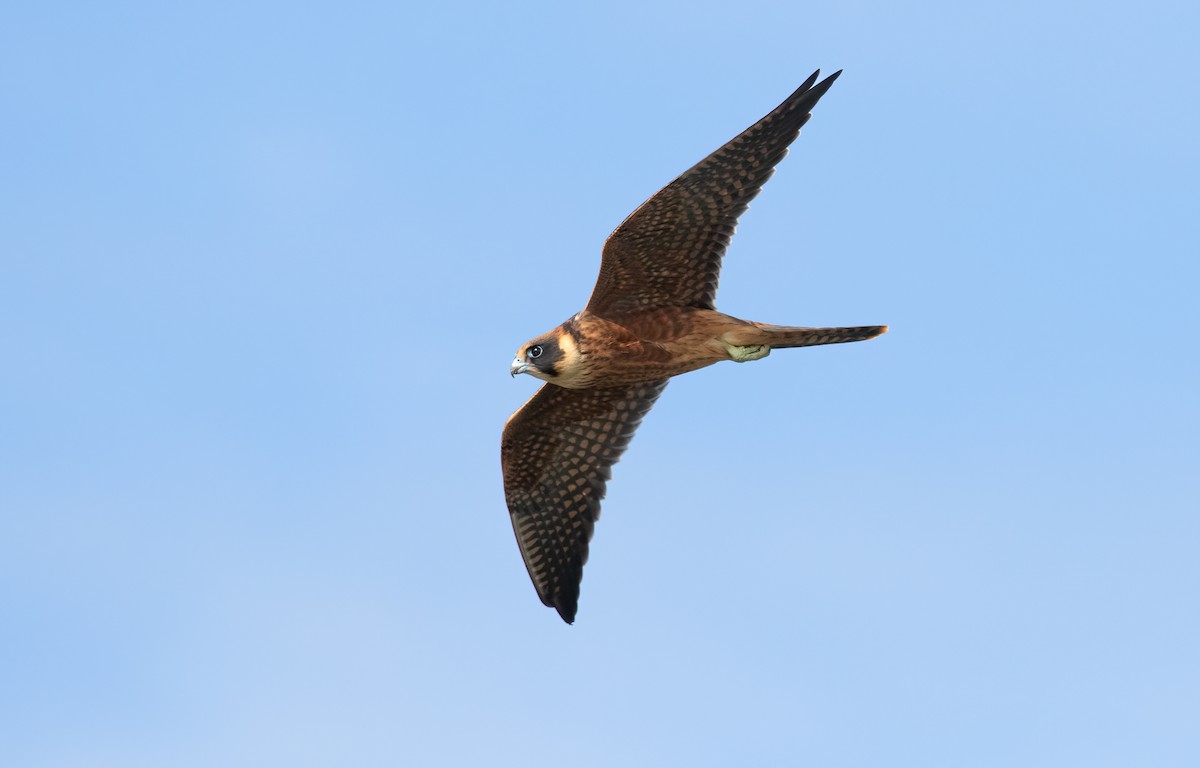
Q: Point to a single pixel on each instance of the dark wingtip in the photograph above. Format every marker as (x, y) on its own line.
(804, 98)
(818, 90)
(567, 610)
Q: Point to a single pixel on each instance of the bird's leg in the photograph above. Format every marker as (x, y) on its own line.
(743, 341)
(746, 353)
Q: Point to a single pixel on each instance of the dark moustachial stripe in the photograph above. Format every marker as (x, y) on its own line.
(551, 354)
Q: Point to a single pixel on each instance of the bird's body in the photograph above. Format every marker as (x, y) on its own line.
(651, 316)
(646, 345)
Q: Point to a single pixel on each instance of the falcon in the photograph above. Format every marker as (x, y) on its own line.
(650, 317)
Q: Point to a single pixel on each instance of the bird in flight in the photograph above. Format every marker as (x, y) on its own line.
(650, 317)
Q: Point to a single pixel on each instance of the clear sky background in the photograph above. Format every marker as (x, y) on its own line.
(263, 268)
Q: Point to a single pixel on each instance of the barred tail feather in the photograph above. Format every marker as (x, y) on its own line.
(782, 336)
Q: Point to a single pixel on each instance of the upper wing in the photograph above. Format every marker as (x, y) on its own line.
(556, 453)
(668, 252)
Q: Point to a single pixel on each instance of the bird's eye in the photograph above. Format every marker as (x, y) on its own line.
(535, 352)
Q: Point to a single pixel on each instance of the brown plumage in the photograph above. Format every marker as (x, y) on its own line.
(650, 317)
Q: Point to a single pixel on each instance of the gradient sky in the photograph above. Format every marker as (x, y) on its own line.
(263, 267)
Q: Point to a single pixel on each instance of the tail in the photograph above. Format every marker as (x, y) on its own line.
(782, 336)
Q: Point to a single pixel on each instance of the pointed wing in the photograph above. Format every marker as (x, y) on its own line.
(556, 453)
(668, 252)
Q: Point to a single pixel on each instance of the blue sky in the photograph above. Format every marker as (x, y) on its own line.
(264, 267)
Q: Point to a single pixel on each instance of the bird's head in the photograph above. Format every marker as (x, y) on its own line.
(543, 357)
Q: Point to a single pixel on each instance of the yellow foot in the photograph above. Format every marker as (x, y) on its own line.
(747, 353)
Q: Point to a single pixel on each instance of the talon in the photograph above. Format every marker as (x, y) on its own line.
(747, 353)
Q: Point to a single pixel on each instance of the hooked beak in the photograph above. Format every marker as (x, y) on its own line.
(518, 366)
